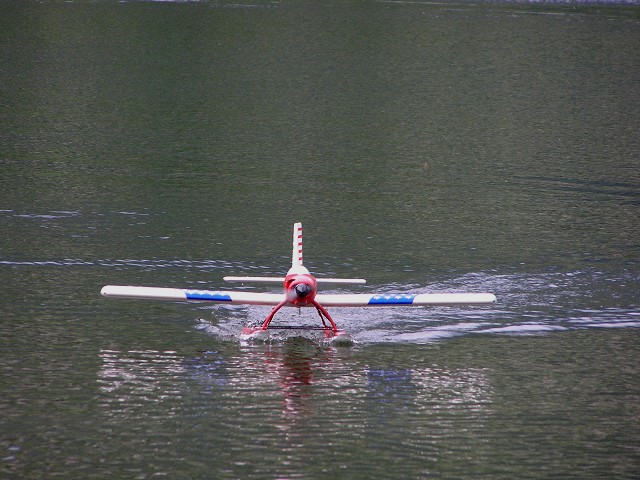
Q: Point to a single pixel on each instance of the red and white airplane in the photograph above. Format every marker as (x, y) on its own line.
(300, 290)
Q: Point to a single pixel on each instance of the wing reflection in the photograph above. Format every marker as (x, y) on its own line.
(440, 388)
(140, 376)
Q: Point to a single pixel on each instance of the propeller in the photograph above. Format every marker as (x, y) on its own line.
(302, 290)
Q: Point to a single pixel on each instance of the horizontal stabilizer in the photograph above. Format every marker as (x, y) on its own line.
(281, 279)
(341, 280)
(254, 279)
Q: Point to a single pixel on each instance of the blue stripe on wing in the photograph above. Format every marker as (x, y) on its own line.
(393, 299)
(207, 295)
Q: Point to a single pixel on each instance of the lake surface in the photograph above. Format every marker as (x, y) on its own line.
(427, 147)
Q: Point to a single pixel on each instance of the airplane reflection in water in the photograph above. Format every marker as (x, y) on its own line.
(304, 374)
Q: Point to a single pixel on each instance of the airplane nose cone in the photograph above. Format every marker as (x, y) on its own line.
(302, 290)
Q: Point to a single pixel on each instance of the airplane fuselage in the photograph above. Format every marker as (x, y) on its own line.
(300, 287)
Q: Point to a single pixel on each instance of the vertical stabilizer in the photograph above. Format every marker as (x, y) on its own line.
(297, 245)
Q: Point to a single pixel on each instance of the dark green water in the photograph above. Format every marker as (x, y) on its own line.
(424, 146)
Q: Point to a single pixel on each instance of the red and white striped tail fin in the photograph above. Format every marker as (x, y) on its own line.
(297, 245)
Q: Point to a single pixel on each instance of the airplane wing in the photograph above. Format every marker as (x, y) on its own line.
(403, 299)
(177, 294)
(326, 300)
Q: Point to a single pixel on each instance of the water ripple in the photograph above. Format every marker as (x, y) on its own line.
(528, 304)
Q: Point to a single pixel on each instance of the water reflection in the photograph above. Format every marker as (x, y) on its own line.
(287, 402)
(303, 378)
(433, 390)
(293, 369)
(135, 378)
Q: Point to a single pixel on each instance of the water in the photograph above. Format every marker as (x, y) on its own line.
(425, 147)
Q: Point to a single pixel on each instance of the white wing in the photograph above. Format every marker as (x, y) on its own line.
(158, 293)
(403, 299)
(326, 300)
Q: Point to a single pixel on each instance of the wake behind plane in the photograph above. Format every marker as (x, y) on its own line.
(300, 289)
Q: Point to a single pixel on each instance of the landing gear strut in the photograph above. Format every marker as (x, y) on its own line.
(322, 312)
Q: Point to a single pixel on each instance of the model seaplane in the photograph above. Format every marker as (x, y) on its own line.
(300, 290)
